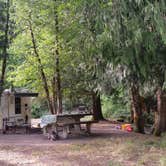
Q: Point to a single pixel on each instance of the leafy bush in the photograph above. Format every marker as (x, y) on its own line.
(149, 118)
(116, 106)
(38, 111)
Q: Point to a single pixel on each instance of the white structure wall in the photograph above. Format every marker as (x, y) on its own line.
(7, 109)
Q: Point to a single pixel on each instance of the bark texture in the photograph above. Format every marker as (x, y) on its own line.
(5, 47)
(97, 110)
(160, 114)
(57, 75)
(41, 70)
(54, 96)
(137, 108)
(58, 88)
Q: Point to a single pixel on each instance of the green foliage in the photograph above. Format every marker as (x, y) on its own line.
(103, 45)
(116, 106)
(149, 118)
(39, 109)
(133, 40)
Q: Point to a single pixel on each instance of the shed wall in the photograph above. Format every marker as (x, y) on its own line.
(7, 109)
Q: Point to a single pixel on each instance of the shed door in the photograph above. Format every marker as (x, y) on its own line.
(17, 105)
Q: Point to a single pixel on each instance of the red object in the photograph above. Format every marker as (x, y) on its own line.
(128, 128)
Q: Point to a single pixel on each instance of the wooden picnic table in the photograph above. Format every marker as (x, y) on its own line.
(67, 124)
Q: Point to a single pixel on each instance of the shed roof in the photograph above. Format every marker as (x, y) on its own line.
(20, 92)
(27, 94)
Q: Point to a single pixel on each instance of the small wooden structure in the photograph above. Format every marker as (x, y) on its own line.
(15, 108)
(65, 124)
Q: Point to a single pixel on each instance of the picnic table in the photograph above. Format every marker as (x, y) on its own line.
(65, 124)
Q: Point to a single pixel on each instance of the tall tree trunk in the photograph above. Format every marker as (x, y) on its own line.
(97, 110)
(58, 89)
(137, 108)
(160, 114)
(58, 77)
(131, 113)
(163, 113)
(42, 73)
(54, 96)
(5, 47)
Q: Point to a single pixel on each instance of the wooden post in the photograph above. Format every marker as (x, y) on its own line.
(65, 132)
(88, 128)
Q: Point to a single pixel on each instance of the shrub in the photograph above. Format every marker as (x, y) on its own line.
(115, 108)
(38, 111)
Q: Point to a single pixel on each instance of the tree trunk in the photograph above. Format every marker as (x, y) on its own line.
(131, 114)
(54, 97)
(137, 109)
(42, 73)
(97, 110)
(58, 83)
(5, 47)
(160, 114)
(58, 77)
(163, 113)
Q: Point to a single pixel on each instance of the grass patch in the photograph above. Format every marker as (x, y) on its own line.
(163, 161)
(163, 141)
(118, 150)
(157, 143)
(114, 163)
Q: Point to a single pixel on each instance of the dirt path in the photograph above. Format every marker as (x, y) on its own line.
(106, 146)
(101, 130)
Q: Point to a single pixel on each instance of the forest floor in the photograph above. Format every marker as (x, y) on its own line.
(107, 146)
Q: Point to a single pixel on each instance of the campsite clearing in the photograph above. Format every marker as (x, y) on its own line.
(107, 146)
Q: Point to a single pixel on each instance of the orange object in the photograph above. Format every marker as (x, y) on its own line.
(127, 127)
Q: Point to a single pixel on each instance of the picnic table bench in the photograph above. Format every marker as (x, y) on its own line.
(65, 124)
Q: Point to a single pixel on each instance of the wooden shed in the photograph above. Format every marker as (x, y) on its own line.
(15, 107)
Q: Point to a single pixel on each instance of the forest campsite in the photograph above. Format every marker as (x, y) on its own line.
(83, 82)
